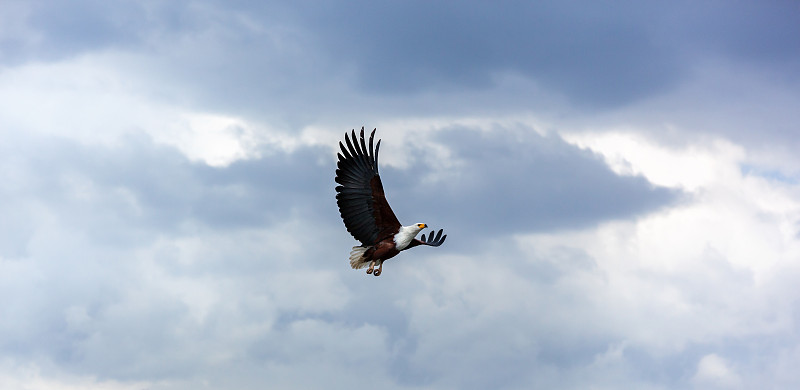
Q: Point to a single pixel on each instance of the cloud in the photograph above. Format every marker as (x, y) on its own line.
(464, 46)
(713, 371)
(133, 251)
(514, 181)
(594, 57)
(141, 185)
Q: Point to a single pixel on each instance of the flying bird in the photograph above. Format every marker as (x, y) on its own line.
(365, 211)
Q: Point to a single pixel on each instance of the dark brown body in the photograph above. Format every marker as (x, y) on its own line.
(380, 252)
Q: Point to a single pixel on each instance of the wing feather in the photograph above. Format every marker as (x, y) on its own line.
(432, 240)
(362, 202)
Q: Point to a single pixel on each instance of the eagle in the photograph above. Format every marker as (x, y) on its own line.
(365, 211)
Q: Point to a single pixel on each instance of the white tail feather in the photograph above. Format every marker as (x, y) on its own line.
(357, 260)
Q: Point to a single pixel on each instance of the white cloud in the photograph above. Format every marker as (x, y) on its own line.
(33, 377)
(97, 99)
(714, 372)
(688, 167)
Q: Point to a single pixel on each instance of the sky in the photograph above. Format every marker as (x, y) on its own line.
(618, 182)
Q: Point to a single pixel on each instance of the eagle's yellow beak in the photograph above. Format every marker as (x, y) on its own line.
(422, 225)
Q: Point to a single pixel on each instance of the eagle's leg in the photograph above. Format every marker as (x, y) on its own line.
(379, 270)
(371, 267)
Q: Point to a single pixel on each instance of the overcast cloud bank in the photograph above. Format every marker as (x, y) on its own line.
(618, 184)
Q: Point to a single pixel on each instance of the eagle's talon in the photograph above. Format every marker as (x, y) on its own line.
(369, 271)
(377, 272)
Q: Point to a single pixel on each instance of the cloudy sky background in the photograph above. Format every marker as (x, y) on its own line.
(619, 182)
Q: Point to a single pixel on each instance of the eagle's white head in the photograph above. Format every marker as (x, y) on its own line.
(406, 234)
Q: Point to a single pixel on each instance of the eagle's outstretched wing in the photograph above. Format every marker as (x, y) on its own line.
(431, 240)
(362, 203)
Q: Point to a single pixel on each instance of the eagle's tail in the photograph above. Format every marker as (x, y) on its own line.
(357, 260)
